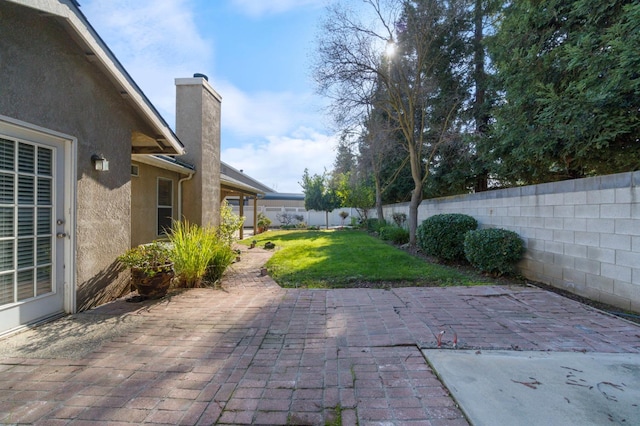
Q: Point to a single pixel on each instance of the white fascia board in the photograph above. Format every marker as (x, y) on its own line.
(65, 9)
(161, 163)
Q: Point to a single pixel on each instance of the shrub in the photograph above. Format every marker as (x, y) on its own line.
(374, 225)
(399, 218)
(230, 223)
(442, 235)
(394, 234)
(493, 250)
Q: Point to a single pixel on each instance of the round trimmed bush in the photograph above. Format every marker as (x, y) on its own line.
(442, 235)
(493, 250)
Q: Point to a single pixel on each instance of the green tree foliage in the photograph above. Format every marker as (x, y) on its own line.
(345, 161)
(355, 192)
(319, 195)
(570, 72)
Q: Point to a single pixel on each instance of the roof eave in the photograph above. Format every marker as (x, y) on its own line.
(98, 52)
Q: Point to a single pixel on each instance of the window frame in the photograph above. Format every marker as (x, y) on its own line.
(159, 207)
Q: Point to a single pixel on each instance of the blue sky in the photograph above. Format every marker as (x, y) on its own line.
(257, 55)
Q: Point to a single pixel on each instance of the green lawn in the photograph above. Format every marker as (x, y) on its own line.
(346, 258)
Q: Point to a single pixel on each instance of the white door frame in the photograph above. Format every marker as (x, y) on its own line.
(32, 132)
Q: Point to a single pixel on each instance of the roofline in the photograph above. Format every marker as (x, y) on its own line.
(163, 163)
(222, 163)
(237, 185)
(288, 196)
(69, 11)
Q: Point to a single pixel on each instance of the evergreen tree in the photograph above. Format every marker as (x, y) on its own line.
(569, 70)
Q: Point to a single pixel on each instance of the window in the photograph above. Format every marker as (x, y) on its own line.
(135, 170)
(26, 230)
(165, 205)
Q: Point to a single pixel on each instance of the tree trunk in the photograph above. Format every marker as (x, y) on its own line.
(416, 199)
(326, 218)
(379, 211)
(480, 113)
(416, 194)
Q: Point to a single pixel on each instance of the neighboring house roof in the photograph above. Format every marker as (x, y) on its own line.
(239, 176)
(67, 12)
(229, 183)
(283, 197)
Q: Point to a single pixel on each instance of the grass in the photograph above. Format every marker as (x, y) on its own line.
(344, 259)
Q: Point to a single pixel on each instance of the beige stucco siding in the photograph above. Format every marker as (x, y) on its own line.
(47, 80)
(144, 201)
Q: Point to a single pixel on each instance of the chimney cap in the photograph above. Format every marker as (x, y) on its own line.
(199, 75)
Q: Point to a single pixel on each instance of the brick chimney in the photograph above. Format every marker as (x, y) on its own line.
(198, 127)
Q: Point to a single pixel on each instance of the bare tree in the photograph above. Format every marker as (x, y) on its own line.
(353, 70)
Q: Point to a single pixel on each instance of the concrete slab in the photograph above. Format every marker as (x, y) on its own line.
(541, 388)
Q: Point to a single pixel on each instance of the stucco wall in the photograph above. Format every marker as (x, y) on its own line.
(48, 81)
(144, 200)
(198, 109)
(581, 235)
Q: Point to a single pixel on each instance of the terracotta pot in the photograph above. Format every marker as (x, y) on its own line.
(154, 286)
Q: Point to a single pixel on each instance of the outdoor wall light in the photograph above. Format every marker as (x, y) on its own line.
(100, 163)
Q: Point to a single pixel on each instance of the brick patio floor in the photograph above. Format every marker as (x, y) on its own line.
(253, 353)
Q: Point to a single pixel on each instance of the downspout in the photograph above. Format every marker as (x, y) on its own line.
(180, 194)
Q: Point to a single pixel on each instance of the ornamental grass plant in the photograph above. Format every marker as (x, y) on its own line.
(193, 249)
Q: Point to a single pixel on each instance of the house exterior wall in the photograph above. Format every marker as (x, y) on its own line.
(581, 235)
(48, 81)
(144, 201)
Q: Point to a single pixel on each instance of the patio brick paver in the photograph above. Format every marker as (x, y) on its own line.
(253, 353)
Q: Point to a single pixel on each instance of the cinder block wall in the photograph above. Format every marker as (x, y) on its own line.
(581, 235)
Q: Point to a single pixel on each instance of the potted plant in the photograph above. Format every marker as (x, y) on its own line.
(263, 223)
(151, 268)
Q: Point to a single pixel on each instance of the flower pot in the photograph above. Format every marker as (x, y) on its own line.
(154, 285)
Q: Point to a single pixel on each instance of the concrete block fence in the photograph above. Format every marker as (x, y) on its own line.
(581, 235)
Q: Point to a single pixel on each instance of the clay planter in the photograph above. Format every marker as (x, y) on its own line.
(152, 286)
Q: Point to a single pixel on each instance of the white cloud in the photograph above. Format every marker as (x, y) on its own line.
(279, 161)
(265, 113)
(158, 40)
(257, 8)
(155, 40)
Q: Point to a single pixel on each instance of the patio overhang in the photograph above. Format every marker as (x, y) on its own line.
(233, 187)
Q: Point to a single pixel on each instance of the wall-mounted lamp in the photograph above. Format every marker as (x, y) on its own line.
(100, 163)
